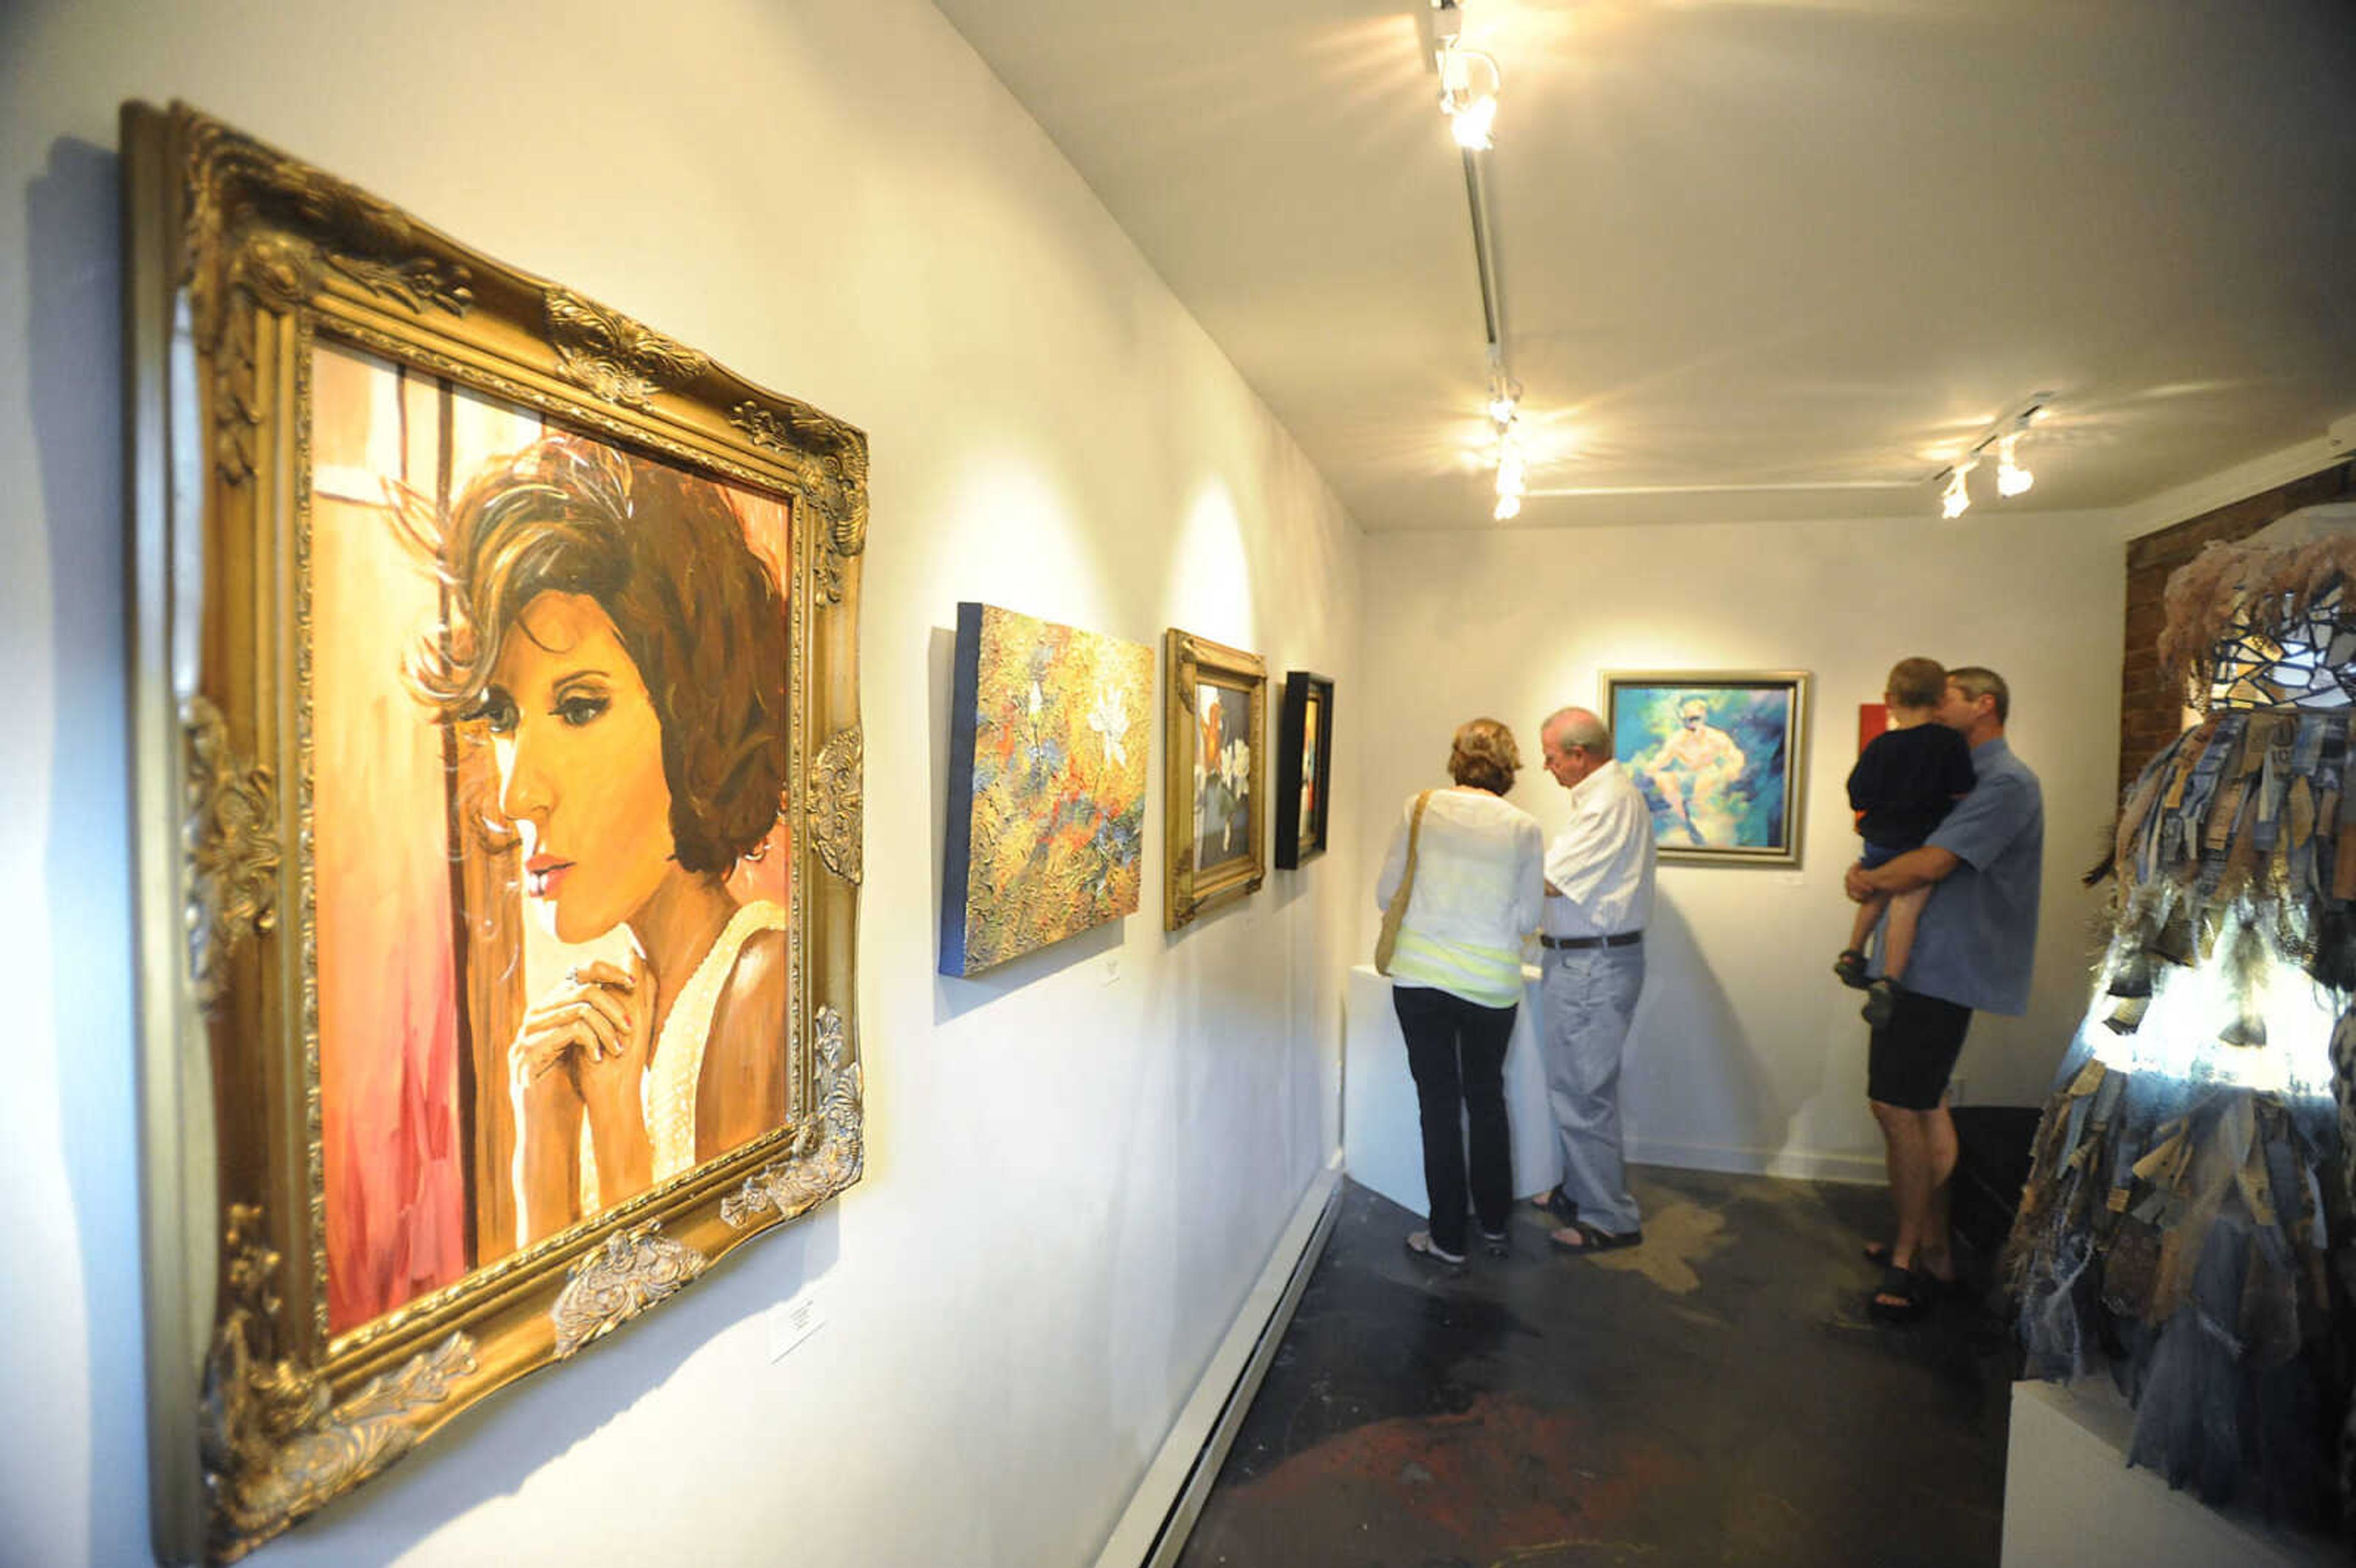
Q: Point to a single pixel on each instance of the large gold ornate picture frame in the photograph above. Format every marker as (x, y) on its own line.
(1216, 788)
(497, 817)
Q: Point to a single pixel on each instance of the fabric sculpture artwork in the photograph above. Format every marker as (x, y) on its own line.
(2187, 1213)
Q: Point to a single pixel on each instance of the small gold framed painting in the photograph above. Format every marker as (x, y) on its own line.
(1216, 778)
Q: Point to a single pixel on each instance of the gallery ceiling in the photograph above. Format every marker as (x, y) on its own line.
(1758, 260)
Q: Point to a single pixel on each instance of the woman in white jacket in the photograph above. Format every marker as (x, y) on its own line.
(1456, 975)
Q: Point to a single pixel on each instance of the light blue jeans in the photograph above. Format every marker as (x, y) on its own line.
(1586, 1003)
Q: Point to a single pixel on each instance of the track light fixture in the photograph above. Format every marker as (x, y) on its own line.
(1468, 83)
(1958, 498)
(2012, 478)
(1469, 79)
(1505, 412)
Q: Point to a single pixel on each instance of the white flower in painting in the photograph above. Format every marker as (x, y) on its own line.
(1038, 700)
(1110, 723)
(1235, 766)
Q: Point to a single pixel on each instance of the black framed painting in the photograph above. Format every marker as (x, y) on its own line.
(1304, 768)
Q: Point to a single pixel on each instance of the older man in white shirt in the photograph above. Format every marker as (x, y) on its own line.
(1599, 895)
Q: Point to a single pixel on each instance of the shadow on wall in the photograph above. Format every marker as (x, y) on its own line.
(73, 340)
(1693, 1081)
(493, 1448)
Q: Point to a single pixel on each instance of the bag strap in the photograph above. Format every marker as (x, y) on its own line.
(1395, 914)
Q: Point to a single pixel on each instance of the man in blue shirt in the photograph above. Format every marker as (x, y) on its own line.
(1974, 951)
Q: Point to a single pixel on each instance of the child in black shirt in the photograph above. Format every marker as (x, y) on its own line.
(1902, 787)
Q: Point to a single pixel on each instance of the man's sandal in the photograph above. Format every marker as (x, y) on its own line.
(1910, 1295)
(1955, 1289)
(1592, 1239)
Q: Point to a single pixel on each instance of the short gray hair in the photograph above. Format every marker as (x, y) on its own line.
(1579, 727)
(1976, 681)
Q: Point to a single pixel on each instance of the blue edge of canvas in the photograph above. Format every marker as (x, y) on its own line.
(965, 690)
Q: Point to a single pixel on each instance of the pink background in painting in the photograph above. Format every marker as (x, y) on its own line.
(389, 1067)
(398, 1189)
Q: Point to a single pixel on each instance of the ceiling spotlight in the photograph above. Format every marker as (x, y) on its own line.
(1508, 508)
(1513, 477)
(2012, 478)
(1958, 498)
(1468, 83)
(1503, 408)
(1474, 126)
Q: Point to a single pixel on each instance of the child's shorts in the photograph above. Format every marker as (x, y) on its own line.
(1879, 854)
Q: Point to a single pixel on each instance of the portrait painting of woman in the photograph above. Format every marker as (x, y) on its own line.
(623, 653)
(577, 658)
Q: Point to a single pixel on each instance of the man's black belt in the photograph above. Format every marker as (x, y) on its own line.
(1617, 939)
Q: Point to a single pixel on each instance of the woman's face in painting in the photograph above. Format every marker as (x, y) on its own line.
(579, 751)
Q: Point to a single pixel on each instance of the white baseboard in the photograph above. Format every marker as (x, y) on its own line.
(1804, 1165)
(1162, 1510)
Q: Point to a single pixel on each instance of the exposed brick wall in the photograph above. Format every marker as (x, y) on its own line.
(2150, 715)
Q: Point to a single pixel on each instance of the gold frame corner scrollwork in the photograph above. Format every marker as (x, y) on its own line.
(239, 258)
(1187, 894)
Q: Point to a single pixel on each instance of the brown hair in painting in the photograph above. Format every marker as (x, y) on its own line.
(663, 555)
(621, 650)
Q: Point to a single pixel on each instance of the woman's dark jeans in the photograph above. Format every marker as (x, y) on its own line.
(1456, 1049)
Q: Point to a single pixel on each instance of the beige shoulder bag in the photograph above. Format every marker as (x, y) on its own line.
(1396, 911)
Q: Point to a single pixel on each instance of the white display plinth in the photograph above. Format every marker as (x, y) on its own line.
(1382, 1138)
(2069, 1496)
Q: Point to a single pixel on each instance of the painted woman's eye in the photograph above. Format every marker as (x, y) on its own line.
(581, 708)
(497, 709)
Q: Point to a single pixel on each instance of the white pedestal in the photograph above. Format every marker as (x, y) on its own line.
(2069, 1498)
(1381, 1133)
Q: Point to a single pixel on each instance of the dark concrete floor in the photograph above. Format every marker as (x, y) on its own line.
(1717, 1395)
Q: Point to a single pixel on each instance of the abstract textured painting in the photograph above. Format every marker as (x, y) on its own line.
(1049, 731)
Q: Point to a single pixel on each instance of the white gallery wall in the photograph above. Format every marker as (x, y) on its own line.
(1077, 1166)
(1747, 1055)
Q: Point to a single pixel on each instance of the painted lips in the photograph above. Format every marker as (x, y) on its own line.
(542, 873)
